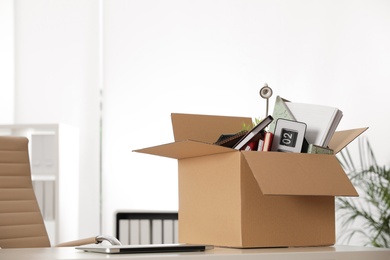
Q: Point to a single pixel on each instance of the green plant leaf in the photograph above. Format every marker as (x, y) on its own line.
(372, 209)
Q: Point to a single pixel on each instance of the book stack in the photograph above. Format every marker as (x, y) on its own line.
(257, 139)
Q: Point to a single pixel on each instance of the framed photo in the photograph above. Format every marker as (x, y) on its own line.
(289, 136)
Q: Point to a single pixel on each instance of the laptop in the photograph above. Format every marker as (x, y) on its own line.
(136, 249)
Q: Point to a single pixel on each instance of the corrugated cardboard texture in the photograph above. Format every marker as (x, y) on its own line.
(299, 174)
(185, 149)
(220, 203)
(210, 201)
(341, 139)
(205, 128)
(273, 221)
(252, 199)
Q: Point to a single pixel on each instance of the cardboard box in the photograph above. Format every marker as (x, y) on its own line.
(248, 199)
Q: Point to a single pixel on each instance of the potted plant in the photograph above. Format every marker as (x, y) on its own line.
(370, 211)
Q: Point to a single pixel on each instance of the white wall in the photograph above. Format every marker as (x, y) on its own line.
(57, 71)
(212, 57)
(7, 61)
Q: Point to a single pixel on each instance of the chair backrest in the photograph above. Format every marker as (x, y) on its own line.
(21, 222)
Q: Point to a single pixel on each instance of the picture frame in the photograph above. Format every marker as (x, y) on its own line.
(289, 136)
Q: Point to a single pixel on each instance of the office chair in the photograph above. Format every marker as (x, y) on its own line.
(21, 221)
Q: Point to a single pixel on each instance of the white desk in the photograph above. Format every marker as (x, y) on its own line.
(309, 253)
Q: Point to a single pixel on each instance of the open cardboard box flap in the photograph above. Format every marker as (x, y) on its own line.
(341, 139)
(205, 128)
(185, 149)
(276, 173)
(193, 148)
(299, 174)
(195, 134)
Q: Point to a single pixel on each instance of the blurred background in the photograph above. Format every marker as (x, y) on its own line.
(117, 69)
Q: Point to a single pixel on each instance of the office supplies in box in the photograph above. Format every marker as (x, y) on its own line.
(248, 199)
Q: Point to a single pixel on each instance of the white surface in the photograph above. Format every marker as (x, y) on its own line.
(310, 253)
(58, 79)
(7, 64)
